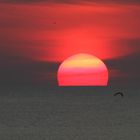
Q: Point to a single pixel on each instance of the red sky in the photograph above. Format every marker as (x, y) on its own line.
(51, 32)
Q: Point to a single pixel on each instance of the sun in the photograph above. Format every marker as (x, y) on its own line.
(82, 70)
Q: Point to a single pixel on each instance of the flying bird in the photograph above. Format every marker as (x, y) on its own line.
(119, 93)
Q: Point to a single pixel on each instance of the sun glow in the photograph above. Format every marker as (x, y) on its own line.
(82, 70)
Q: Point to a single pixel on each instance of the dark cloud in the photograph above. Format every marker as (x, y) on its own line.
(20, 71)
(124, 71)
(129, 69)
(130, 42)
(17, 70)
(72, 1)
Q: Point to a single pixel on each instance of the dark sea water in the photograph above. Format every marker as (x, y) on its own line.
(68, 115)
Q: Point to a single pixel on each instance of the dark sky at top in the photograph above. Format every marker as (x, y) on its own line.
(32, 32)
(74, 1)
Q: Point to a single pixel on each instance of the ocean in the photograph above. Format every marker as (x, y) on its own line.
(69, 115)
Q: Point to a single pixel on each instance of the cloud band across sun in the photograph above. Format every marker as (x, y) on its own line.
(82, 70)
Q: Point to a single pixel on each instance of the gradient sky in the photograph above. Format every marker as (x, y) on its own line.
(37, 35)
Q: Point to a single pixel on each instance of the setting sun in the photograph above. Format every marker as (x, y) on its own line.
(82, 70)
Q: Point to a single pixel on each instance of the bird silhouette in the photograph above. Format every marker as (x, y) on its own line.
(119, 93)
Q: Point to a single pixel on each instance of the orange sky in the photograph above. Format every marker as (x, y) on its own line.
(51, 32)
(54, 32)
